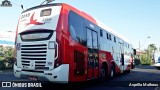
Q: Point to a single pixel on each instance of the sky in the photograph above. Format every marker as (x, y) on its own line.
(133, 19)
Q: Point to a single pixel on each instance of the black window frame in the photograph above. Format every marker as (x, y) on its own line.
(114, 39)
(35, 31)
(110, 37)
(101, 32)
(107, 35)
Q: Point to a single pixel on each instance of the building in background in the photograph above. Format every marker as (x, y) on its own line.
(7, 38)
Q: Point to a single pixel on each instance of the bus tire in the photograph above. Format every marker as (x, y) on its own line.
(129, 71)
(103, 76)
(112, 71)
(158, 68)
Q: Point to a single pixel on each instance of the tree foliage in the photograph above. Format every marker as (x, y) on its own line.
(152, 47)
(6, 57)
(146, 57)
(145, 60)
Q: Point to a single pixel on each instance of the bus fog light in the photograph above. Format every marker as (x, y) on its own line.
(51, 45)
(55, 77)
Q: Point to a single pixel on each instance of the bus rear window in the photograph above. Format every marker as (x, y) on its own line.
(46, 12)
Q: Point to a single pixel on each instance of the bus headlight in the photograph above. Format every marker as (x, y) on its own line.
(51, 45)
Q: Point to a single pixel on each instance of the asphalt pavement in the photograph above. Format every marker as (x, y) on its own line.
(138, 79)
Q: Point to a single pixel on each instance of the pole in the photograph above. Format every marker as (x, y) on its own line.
(149, 53)
(139, 51)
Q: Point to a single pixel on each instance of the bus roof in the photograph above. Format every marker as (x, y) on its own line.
(40, 6)
(97, 22)
(112, 31)
(88, 17)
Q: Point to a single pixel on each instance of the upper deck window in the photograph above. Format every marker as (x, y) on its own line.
(46, 12)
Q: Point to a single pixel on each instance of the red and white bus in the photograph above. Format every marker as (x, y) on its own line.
(59, 43)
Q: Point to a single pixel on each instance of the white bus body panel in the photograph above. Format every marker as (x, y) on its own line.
(32, 20)
(156, 57)
(49, 22)
(61, 74)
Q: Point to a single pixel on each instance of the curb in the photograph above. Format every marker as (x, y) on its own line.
(5, 71)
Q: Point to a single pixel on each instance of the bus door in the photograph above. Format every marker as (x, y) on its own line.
(92, 44)
(121, 53)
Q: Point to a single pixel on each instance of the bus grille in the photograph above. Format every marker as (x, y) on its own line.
(36, 52)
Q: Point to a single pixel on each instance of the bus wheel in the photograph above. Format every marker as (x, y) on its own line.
(103, 76)
(112, 71)
(158, 68)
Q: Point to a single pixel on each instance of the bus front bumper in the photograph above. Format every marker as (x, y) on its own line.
(57, 75)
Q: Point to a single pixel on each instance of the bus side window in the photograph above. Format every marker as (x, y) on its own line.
(72, 32)
(114, 39)
(110, 38)
(107, 36)
(101, 33)
(76, 28)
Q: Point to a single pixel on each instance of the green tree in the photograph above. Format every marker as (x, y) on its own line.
(9, 52)
(152, 47)
(144, 60)
(147, 55)
(6, 57)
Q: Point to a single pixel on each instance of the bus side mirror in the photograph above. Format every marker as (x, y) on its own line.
(134, 51)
